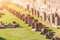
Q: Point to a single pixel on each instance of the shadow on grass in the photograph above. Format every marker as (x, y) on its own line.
(1, 38)
(50, 30)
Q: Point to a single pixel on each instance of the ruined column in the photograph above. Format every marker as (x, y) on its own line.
(35, 12)
(32, 10)
(27, 19)
(38, 14)
(27, 7)
(44, 16)
(56, 21)
(56, 14)
(52, 18)
(33, 24)
(30, 20)
(48, 18)
(38, 26)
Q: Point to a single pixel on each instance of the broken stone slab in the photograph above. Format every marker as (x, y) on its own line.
(49, 35)
(30, 20)
(33, 24)
(38, 26)
(44, 31)
(55, 38)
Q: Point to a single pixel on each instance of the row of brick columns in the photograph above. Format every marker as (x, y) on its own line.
(33, 23)
(51, 18)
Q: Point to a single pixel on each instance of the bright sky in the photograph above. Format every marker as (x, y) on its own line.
(5, 1)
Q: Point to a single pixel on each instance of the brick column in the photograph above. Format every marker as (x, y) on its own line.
(44, 16)
(30, 20)
(27, 7)
(48, 18)
(35, 12)
(32, 10)
(38, 14)
(38, 26)
(33, 24)
(56, 21)
(51, 18)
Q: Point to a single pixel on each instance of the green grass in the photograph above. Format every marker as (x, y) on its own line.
(57, 31)
(23, 33)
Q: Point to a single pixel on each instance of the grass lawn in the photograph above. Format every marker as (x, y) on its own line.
(23, 33)
(57, 31)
